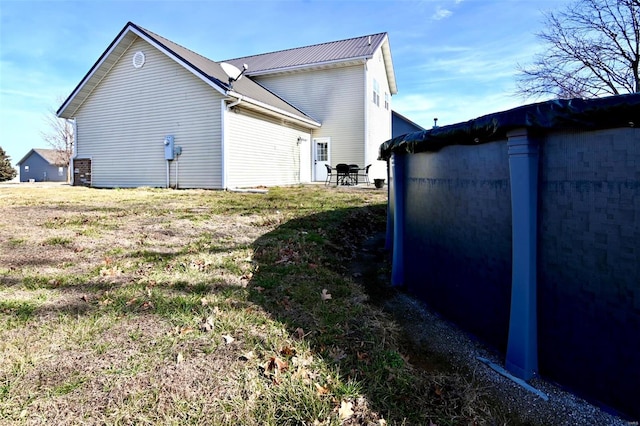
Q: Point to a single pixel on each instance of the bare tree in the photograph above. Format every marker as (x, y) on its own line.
(592, 50)
(60, 136)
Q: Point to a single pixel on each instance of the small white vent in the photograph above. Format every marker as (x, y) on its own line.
(138, 59)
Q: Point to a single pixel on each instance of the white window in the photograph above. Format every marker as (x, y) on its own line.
(26, 168)
(386, 100)
(376, 92)
(322, 151)
(60, 171)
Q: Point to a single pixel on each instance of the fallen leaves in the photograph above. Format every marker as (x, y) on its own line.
(363, 356)
(345, 411)
(247, 356)
(288, 351)
(337, 353)
(110, 272)
(274, 367)
(325, 295)
(206, 324)
(299, 333)
(321, 390)
(288, 256)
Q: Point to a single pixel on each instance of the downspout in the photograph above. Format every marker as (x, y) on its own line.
(177, 171)
(237, 102)
(168, 181)
(366, 112)
(71, 174)
(522, 343)
(225, 109)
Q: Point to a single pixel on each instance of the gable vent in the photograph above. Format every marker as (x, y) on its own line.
(138, 59)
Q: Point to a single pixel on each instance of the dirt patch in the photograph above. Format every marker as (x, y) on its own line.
(432, 343)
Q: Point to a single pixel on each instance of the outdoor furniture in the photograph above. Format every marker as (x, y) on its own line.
(353, 173)
(343, 174)
(329, 171)
(364, 173)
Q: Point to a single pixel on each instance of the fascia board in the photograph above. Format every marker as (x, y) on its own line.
(23, 159)
(186, 64)
(277, 111)
(388, 62)
(315, 65)
(114, 44)
(130, 28)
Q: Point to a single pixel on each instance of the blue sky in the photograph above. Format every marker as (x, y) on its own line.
(453, 59)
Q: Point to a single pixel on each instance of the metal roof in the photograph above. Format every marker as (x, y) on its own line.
(321, 55)
(209, 71)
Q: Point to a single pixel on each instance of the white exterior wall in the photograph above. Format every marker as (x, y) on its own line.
(263, 152)
(334, 97)
(122, 124)
(378, 118)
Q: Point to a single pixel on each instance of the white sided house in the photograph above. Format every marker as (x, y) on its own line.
(153, 113)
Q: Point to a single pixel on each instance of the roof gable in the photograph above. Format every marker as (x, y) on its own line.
(51, 156)
(321, 55)
(207, 70)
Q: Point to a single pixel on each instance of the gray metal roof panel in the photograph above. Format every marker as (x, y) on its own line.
(216, 74)
(335, 51)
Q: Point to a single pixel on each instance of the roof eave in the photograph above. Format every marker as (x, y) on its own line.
(388, 63)
(312, 66)
(61, 112)
(130, 28)
(23, 159)
(276, 112)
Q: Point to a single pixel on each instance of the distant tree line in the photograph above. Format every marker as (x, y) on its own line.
(7, 172)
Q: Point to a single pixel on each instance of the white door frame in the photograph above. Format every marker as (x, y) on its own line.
(319, 171)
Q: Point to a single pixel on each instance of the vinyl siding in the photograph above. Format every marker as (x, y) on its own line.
(122, 124)
(335, 98)
(378, 118)
(262, 151)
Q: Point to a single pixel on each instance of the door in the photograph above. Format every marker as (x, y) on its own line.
(321, 158)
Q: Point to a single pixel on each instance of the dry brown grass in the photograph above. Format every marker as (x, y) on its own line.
(155, 306)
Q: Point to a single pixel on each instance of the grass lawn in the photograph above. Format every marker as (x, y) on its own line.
(153, 306)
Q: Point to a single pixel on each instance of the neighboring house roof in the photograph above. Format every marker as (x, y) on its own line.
(207, 70)
(405, 119)
(318, 56)
(51, 156)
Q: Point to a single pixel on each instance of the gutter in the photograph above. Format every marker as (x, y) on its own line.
(323, 64)
(273, 110)
(235, 103)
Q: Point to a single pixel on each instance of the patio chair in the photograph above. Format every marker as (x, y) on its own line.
(353, 173)
(329, 170)
(364, 174)
(343, 177)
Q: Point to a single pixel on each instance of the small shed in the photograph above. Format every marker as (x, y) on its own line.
(43, 165)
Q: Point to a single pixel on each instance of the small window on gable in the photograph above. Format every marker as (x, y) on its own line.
(26, 168)
(386, 100)
(376, 92)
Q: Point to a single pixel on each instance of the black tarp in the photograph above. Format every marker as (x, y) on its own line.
(585, 114)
